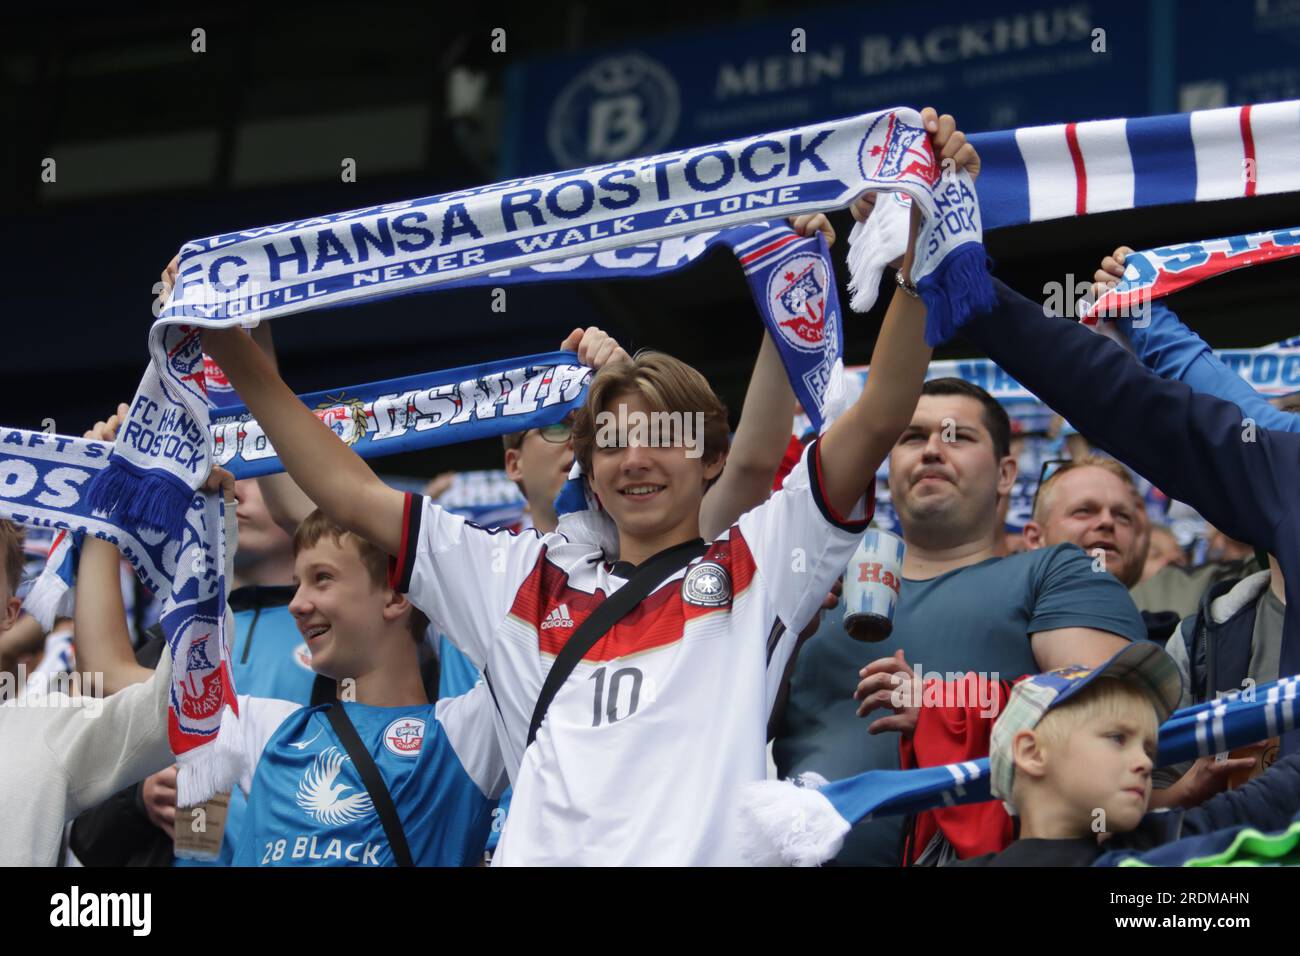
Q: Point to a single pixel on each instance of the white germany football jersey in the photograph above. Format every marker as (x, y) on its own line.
(644, 747)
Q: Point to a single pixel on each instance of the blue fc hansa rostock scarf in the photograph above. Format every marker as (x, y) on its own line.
(162, 453)
(795, 295)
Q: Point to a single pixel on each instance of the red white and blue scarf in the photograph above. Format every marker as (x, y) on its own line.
(1155, 273)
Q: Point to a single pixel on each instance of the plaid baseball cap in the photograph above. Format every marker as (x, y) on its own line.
(1143, 664)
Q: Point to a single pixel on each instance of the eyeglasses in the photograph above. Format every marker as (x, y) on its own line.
(1044, 474)
(558, 433)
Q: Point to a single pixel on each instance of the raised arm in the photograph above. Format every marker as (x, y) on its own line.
(101, 636)
(860, 439)
(100, 632)
(124, 743)
(330, 473)
(761, 438)
(1172, 350)
(24, 637)
(1170, 344)
(1195, 448)
(287, 504)
(763, 432)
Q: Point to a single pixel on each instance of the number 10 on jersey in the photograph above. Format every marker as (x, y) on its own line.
(605, 706)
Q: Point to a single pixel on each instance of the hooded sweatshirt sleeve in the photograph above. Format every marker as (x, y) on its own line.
(1162, 429)
(1269, 802)
(1172, 350)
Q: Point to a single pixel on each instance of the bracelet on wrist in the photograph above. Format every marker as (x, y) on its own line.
(906, 286)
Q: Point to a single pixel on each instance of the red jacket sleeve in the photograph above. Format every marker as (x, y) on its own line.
(957, 727)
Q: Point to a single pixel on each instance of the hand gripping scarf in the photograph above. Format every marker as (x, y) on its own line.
(1156, 273)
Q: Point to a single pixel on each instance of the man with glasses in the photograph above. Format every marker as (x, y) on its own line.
(961, 606)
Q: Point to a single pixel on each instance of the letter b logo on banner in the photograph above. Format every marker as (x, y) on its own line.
(618, 107)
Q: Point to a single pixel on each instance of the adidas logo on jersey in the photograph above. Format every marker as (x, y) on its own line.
(559, 617)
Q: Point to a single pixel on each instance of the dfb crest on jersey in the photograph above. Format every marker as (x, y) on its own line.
(346, 417)
(620, 106)
(796, 294)
(707, 584)
(404, 736)
(200, 686)
(893, 150)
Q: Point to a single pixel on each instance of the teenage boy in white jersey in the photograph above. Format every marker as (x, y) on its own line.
(538, 460)
(641, 752)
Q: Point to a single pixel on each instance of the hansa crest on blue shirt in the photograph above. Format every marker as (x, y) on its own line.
(405, 736)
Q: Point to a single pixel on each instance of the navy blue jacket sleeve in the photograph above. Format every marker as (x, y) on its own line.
(1190, 446)
(1269, 802)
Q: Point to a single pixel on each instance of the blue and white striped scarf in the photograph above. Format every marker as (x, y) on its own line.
(1038, 173)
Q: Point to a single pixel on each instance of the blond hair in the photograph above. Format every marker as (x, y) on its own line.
(1104, 697)
(667, 385)
(1043, 504)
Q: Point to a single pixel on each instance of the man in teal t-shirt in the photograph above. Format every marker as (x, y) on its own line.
(961, 607)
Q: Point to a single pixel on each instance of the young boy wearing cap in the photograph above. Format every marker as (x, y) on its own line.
(1072, 754)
